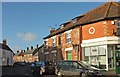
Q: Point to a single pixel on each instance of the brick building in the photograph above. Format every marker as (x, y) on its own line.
(93, 37)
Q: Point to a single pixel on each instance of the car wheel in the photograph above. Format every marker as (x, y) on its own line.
(41, 72)
(83, 75)
(59, 74)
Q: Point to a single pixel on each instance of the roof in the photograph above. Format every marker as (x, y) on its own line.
(29, 51)
(5, 47)
(108, 10)
(35, 51)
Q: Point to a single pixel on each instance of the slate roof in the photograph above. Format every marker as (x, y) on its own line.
(108, 10)
(30, 51)
(5, 47)
(36, 51)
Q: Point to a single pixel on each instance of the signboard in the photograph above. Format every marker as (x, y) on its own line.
(94, 51)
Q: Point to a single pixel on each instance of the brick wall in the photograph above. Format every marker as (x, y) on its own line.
(102, 29)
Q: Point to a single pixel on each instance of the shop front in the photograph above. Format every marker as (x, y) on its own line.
(100, 54)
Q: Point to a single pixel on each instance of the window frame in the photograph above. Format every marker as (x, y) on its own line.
(68, 37)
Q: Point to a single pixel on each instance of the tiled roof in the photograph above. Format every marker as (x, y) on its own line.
(5, 47)
(36, 51)
(30, 51)
(105, 11)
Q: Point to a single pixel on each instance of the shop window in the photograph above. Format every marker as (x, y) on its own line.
(86, 54)
(96, 56)
(111, 58)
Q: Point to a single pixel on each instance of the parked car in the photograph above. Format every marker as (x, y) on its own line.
(42, 67)
(35, 67)
(69, 67)
(19, 64)
(49, 67)
(22, 63)
(16, 64)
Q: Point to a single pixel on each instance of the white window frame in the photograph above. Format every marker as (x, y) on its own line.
(54, 41)
(46, 44)
(68, 32)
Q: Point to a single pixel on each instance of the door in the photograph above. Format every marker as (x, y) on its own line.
(69, 55)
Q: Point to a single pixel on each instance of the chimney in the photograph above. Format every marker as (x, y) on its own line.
(17, 51)
(31, 47)
(27, 48)
(24, 51)
(4, 42)
(52, 30)
(37, 46)
(21, 51)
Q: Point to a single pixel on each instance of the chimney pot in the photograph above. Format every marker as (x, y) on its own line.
(37, 46)
(52, 30)
(27, 48)
(31, 47)
(4, 42)
(24, 51)
(17, 51)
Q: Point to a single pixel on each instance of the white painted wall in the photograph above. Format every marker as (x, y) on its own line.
(6, 57)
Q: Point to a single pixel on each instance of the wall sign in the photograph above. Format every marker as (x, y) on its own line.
(91, 30)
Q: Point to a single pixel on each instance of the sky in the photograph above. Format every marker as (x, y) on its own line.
(25, 24)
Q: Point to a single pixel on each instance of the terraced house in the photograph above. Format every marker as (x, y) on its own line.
(93, 37)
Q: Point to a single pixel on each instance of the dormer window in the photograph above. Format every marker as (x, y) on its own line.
(74, 20)
(62, 26)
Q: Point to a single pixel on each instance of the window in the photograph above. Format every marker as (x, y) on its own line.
(118, 24)
(118, 28)
(46, 44)
(68, 38)
(42, 49)
(59, 40)
(54, 42)
(54, 56)
(96, 56)
(75, 20)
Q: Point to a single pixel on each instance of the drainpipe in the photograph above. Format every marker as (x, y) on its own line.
(80, 41)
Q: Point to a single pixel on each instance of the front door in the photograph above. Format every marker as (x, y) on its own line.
(69, 55)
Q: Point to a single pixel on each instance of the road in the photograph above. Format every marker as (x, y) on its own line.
(25, 71)
(20, 71)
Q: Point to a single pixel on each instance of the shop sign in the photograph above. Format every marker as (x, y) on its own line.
(94, 51)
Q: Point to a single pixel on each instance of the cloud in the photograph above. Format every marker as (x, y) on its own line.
(27, 36)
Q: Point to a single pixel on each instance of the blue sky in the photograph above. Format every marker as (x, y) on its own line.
(24, 24)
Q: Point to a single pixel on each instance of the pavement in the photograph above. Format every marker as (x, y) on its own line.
(111, 73)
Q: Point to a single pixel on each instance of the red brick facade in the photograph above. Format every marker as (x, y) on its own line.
(102, 29)
(98, 23)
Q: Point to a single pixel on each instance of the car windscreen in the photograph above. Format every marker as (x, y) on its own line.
(85, 64)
